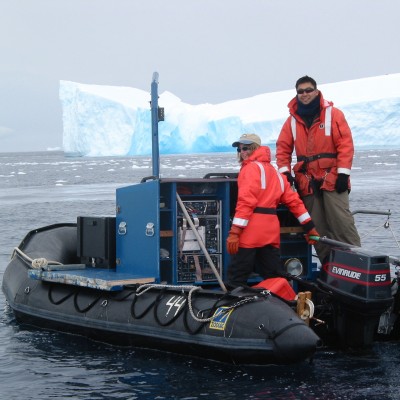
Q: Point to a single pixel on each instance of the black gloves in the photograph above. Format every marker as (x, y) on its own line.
(342, 183)
(289, 177)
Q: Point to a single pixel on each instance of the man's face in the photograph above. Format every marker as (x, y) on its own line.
(306, 92)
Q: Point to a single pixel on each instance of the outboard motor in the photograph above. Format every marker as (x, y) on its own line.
(360, 284)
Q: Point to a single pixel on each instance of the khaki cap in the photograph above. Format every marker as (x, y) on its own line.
(247, 138)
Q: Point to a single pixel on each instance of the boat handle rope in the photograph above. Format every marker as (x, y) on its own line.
(157, 299)
(37, 263)
(145, 287)
(74, 293)
(58, 302)
(149, 286)
(202, 321)
(86, 309)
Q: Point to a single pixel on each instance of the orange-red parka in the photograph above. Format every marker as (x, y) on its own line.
(261, 188)
(323, 150)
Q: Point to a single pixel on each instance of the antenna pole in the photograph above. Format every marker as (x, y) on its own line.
(154, 126)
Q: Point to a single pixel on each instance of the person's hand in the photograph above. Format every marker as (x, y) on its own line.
(232, 241)
(311, 232)
(289, 178)
(342, 183)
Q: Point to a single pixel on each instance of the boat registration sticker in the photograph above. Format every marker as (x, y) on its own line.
(220, 318)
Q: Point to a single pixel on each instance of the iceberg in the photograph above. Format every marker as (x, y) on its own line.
(116, 121)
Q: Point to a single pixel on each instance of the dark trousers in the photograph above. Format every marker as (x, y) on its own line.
(262, 260)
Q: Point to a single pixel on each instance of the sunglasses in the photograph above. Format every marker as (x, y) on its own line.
(307, 90)
(244, 148)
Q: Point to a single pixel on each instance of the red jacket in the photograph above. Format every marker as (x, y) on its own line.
(261, 189)
(322, 152)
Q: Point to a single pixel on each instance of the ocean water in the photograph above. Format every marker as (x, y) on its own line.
(38, 189)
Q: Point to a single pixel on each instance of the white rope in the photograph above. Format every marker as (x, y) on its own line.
(148, 286)
(310, 312)
(386, 225)
(394, 237)
(37, 263)
(192, 289)
(372, 231)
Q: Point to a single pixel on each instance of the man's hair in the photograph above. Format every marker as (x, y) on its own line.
(305, 79)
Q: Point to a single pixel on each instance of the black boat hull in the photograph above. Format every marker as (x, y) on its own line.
(246, 327)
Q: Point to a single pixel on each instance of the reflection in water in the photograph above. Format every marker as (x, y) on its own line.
(71, 366)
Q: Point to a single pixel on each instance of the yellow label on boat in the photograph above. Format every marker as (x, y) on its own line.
(220, 318)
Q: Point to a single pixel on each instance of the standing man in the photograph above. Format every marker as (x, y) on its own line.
(322, 140)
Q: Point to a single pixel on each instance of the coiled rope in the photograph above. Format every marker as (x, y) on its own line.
(36, 263)
(145, 287)
(308, 313)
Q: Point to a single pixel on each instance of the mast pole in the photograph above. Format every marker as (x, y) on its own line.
(154, 126)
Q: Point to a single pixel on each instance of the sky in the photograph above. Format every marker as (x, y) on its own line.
(205, 51)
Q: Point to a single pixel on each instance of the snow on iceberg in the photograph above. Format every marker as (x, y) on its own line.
(116, 121)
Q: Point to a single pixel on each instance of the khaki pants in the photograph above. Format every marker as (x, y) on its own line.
(332, 218)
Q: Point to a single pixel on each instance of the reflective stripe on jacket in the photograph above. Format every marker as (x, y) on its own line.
(323, 150)
(261, 188)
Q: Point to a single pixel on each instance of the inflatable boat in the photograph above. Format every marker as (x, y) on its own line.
(242, 326)
(152, 275)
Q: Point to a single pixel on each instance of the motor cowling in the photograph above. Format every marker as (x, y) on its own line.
(360, 285)
(359, 278)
